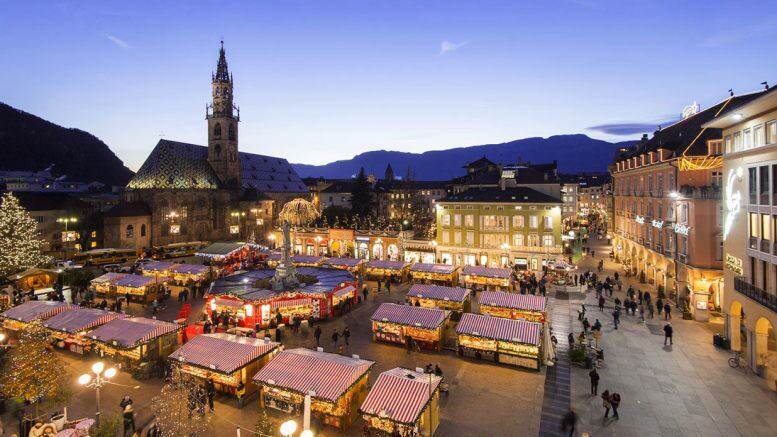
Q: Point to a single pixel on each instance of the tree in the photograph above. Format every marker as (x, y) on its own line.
(362, 200)
(20, 242)
(77, 279)
(33, 372)
(178, 410)
(264, 426)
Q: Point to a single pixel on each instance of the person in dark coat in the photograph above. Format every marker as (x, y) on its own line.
(317, 334)
(568, 422)
(667, 311)
(128, 417)
(668, 331)
(594, 376)
(335, 337)
(659, 306)
(346, 335)
(615, 401)
(278, 334)
(210, 391)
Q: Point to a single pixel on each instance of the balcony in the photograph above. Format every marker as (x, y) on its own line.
(703, 192)
(762, 297)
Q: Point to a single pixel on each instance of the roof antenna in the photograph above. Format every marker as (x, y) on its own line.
(766, 85)
(731, 92)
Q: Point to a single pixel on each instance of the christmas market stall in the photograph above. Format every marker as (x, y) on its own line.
(227, 360)
(181, 273)
(336, 384)
(69, 327)
(514, 342)
(454, 299)
(298, 260)
(35, 278)
(230, 256)
(443, 274)
(353, 265)
(513, 306)
(403, 402)
(487, 278)
(137, 288)
(426, 327)
(18, 317)
(137, 341)
(395, 270)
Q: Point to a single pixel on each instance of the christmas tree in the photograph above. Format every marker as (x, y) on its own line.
(180, 407)
(32, 371)
(20, 241)
(264, 424)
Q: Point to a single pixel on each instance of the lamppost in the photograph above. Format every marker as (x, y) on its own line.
(288, 427)
(102, 375)
(67, 220)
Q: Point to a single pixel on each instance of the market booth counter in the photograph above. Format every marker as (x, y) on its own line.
(488, 278)
(227, 360)
(138, 288)
(455, 299)
(427, 327)
(396, 270)
(403, 402)
(35, 278)
(514, 342)
(230, 256)
(353, 265)
(513, 306)
(18, 317)
(442, 274)
(69, 327)
(138, 341)
(336, 384)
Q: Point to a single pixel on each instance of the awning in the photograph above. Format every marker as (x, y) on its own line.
(189, 269)
(80, 319)
(443, 269)
(428, 318)
(224, 353)
(438, 292)
(291, 303)
(108, 278)
(131, 332)
(137, 281)
(348, 289)
(528, 302)
(400, 395)
(386, 265)
(157, 266)
(487, 272)
(344, 262)
(231, 303)
(498, 328)
(35, 310)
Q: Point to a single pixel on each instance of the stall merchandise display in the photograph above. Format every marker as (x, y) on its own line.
(386, 269)
(397, 323)
(515, 342)
(437, 296)
(491, 277)
(513, 306)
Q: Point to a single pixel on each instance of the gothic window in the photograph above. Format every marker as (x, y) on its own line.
(143, 230)
(217, 150)
(232, 131)
(130, 231)
(217, 130)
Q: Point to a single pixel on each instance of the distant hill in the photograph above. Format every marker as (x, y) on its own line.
(31, 143)
(574, 153)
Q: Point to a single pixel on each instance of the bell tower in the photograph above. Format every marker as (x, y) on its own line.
(223, 117)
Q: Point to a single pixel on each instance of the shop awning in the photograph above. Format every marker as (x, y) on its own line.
(108, 278)
(222, 249)
(35, 310)
(304, 370)
(428, 318)
(224, 353)
(189, 269)
(131, 332)
(443, 269)
(80, 319)
(343, 262)
(230, 303)
(306, 259)
(487, 272)
(400, 395)
(498, 328)
(348, 289)
(528, 302)
(137, 281)
(438, 292)
(386, 265)
(291, 303)
(157, 266)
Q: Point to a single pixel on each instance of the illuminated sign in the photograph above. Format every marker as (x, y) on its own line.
(733, 200)
(69, 236)
(658, 224)
(681, 229)
(234, 229)
(175, 229)
(639, 219)
(734, 264)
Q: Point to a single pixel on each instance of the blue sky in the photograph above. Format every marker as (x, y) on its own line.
(318, 81)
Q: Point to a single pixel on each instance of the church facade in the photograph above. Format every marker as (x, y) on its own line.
(187, 192)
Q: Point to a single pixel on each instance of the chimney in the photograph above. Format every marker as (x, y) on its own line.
(644, 137)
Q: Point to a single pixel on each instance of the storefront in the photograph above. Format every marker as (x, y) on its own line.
(442, 274)
(487, 278)
(231, 256)
(395, 270)
(455, 299)
(353, 265)
(513, 306)
(403, 403)
(419, 251)
(69, 327)
(18, 317)
(514, 342)
(227, 360)
(426, 327)
(137, 342)
(336, 385)
(34, 279)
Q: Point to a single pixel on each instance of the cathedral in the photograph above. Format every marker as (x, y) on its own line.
(186, 192)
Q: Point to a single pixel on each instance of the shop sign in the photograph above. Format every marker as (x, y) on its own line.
(639, 219)
(681, 229)
(733, 200)
(734, 264)
(658, 224)
(367, 239)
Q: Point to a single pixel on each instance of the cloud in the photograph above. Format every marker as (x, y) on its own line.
(119, 42)
(756, 30)
(447, 46)
(631, 128)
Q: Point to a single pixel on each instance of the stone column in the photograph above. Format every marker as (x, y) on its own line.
(761, 346)
(751, 344)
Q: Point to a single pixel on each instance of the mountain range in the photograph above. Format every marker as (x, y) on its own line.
(30, 143)
(574, 153)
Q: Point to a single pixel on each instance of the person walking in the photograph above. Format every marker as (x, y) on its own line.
(594, 376)
(126, 400)
(668, 331)
(667, 311)
(347, 334)
(317, 334)
(571, 339)
(651, 310)
(278, 334)
(616, 317)
(568, 422)
(659, 306)
(128, 417)
(210, 391)
(596, 329)
(606, 403)
(335, 337)
(615, 401)
(586, 325)
(601, 303)
(642, 312)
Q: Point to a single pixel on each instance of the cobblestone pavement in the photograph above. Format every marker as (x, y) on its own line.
(684, 390)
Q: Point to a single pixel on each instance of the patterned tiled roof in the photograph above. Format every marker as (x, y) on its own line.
(528, 302)
(497, 328)
(428, 318)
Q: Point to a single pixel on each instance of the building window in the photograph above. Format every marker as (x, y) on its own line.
(231, 131)
(752, 185)
(217, 130)
(747, 139)
(547, 221)
(533, 222)
(518, 240)
(766, 229)
(518, 221)
(494, 222)
(717, 178)
(547, 240)
(728, 144)
(771, 132)
(446, 238)
(130, 231)
(753, 225)
(446, 219)
(457, 238)
(683, 245)
(457, 220)
(763, 176)
(469, 220)
(143, 230)
(758, 136)
(719, 251)
(737, 142)
(470, 238)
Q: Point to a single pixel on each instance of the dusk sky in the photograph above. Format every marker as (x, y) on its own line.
(318, 81)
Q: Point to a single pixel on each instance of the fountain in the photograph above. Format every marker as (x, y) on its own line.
(298, 212)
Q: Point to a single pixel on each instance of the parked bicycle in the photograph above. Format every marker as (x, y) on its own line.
(738, 360)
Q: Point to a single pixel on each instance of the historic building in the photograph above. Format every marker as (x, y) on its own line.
(206, 193)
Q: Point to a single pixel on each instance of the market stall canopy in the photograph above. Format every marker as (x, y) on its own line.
(223, 353)
(498, 328)
(386, 265)
(108, 278)
(302, 370)
(80, 319)
(32, 272)
(223, 248)
(35, 310)
(527, 302)
(343, 262)
(138, 281)
(443, 269)
(420, 317)
(344, 291)
(307, 259)
(189, 269)
(438, 292)
(132, 332)
(400, 395)
(241, 285)
(231, 303)
(157, 266)
(487, 272)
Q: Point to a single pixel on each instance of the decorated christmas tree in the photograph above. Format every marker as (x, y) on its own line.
(264, 426)
(32, 371)
(20, 242)
(180, 408)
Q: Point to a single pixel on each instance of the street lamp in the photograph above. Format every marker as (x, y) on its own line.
(67, 220)
(102, 375)
(306, 433)
(288, 427)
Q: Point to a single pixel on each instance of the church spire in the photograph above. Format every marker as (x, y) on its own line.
(222, 72)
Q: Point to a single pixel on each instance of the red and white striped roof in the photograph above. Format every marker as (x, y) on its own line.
(78, 319)
(443, 269)
(223, 353)
(438, 292)
(304, 370)
(487, 272)
(290, 303)
(502, 299)
(428, 318)
(131, 332)
(400, 395)
(230, 303)
(35, 310)
(499, 328)
(350, 288)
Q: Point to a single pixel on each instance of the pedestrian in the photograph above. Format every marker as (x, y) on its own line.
(278, 334)
(335, 337)
(437, 371)
(642, 312)
(601, 303)
(568, 422)
(126, 400)
(668, 331)
(597, 331)
(640, 296)
(317, 334)
(594, 376)
(154, 307)
(617, 302)
(210, 391)
(659, 306)
(365, 291)
(379, 284)
(128, 417)
(388, 287)
(616, 317)
(586, 325)
(606, 403)
(571, 339)
(667, 311)
(347, 334)
(615, 401)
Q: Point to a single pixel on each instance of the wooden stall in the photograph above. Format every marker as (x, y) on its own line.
(514, 342)
(138, 288)
(136, 341)
(69, 327)
(487, 278)
(399, 323)
(455, 299)
(181, 273)
(442, 274)
(18, 317)
(353, 265)
(397, 271)
(230, 256)
(227, 360)
(513, 306)
(403, 402)
(34, 278)
(336, 384)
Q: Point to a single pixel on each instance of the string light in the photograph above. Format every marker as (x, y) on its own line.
(32, 371)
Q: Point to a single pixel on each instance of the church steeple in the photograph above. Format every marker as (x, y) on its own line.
(389, 175)
(222, 125)
(222, 71)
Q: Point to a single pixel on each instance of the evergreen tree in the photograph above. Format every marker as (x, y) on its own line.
(264, 426)
(177, 408)
(362, 200)
(20, 242)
